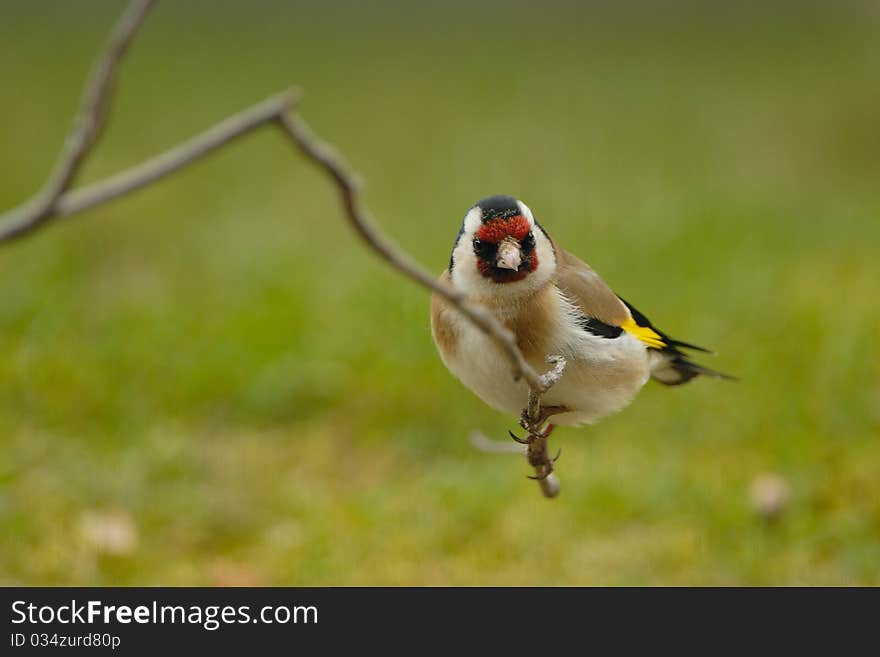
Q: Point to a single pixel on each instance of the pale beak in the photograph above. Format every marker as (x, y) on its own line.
(509, 255)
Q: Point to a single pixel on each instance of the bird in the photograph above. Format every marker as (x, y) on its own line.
(554, 304)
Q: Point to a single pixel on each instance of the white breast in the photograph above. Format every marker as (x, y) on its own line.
(602, 375)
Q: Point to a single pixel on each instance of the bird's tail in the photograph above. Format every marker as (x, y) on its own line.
(672, 367)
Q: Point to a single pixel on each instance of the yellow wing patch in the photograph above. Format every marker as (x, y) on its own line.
(644, 333)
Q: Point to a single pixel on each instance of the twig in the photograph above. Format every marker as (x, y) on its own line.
(85, 131)
(56, 200)
(533, 420)
(176, 158)
(545, 382)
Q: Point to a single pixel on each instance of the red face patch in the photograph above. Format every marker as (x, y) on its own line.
(495, 230)
(503, 275)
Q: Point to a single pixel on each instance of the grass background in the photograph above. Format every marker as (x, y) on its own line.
(212, 382)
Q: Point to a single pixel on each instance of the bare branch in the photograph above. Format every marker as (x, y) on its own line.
(534, 419)
(545, 382)
(86, 129)
(56, 200)
(158, 167)
(176, 158)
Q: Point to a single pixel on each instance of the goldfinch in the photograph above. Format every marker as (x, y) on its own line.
(554, 304)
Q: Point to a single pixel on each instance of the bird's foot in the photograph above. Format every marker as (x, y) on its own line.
(549, 411)
(533, 436)
(538, 431)
(544, 414)
(541, 461)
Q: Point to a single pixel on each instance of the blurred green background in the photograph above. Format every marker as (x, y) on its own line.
(213, 382)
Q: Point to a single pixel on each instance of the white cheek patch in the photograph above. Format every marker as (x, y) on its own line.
(463, 255)
(472, 221)
(465, 274)
(526, 212)
(544, 249)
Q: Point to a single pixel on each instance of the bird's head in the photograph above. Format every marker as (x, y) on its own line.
(501, 249)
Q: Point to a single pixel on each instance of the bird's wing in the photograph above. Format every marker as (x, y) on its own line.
(604, 313)
(607, 315)
(586, 289)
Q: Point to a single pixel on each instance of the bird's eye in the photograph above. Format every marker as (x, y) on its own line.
(528, 243)
(484, 250)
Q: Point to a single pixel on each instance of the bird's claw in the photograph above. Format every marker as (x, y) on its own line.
(521, 441)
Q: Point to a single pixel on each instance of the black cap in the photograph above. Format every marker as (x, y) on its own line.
(500, 205)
